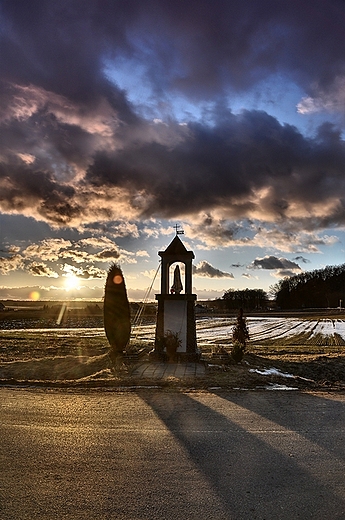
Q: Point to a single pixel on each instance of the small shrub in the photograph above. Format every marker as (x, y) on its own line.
(172, 342)
(219, 350)
(237, 351)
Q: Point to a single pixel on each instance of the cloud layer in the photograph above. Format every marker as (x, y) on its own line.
(205, 269)
(282, 266)
(55, 257)
(76, 151)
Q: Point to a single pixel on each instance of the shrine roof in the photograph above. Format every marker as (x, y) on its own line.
(176, 247)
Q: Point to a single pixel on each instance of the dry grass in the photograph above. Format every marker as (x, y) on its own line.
(318, 365)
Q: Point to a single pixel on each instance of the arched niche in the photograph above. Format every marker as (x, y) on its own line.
(176, 253)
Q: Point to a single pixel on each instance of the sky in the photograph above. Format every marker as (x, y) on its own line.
(122, 119)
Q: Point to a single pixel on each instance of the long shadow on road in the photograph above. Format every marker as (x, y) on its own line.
(256, 468)
(316, 417)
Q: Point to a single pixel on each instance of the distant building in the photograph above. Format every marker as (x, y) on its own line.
(2, 307)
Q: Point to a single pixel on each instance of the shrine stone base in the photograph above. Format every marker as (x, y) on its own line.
(176, 315)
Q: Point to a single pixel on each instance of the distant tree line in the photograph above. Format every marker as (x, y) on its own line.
(249, 299)
(314, 289)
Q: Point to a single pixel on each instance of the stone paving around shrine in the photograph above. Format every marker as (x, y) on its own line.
(165, 370)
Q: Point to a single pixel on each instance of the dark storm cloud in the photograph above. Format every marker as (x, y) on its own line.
(40, 269)
(203, 268)
(285, 273)
(249, 161)
(302, 259)
(91, 272)
(11, 263)
(22, 187)
(272, 262)
(229, 164)
(74, 150)
(56, 46)
(107, 254)
(196, 46)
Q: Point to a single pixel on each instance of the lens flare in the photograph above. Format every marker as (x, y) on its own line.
(34, 296)
(117, 279)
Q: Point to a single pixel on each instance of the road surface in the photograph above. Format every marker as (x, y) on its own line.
(149, 454)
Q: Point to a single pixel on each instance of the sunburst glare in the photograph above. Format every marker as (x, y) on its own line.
(71, 282)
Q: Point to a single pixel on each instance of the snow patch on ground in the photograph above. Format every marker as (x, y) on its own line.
(280, 387)
(265, 328)
(270, 372)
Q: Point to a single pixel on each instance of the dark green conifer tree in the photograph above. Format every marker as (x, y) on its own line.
(117, 318)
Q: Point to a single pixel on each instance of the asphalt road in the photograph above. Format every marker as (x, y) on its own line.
(155, 455)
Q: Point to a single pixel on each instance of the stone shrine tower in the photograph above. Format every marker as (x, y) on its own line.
(176, 309)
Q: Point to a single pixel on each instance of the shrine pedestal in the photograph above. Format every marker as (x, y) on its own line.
(176, 314)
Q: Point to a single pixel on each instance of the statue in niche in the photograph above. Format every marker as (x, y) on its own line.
(177, 286)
